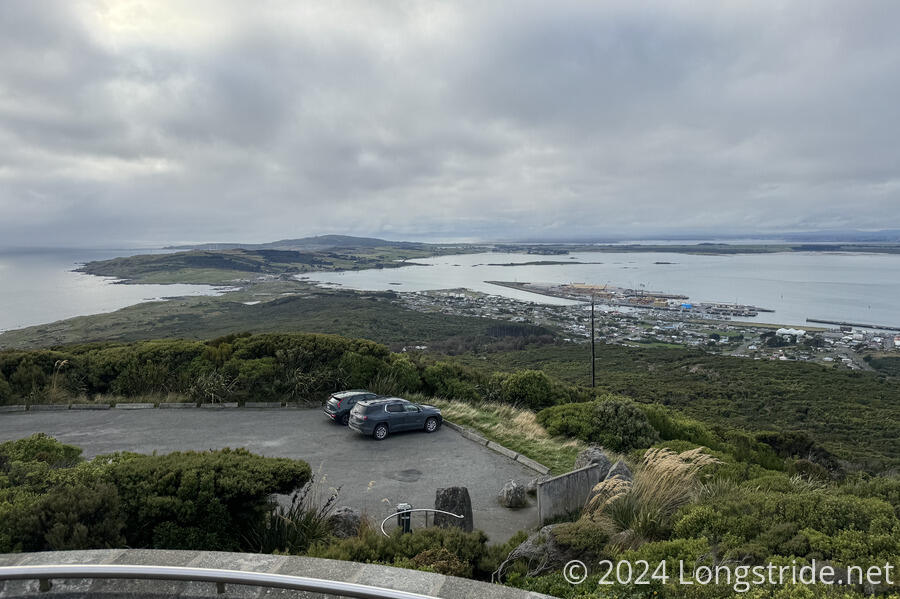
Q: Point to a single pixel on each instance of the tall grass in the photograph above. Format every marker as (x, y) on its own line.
(634, 512)
(512, 427)
(294, 528)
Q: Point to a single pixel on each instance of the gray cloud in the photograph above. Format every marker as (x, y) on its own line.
(154, 122)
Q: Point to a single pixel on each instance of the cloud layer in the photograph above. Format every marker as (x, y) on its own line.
(153, 122)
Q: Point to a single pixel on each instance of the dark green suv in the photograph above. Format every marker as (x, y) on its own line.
(384, 415)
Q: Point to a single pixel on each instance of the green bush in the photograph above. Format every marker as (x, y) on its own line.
(400, 549)
(451, 381)
(73, 515)
(528, 388)
(613, 422)
(198, 500)
(5, 390)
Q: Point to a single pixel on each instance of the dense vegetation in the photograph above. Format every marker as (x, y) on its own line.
(853, 414)
(713, 493)
(51, 499)
(285, 306)
(849, 416)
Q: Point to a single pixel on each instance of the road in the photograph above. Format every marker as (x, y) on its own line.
(373, 476)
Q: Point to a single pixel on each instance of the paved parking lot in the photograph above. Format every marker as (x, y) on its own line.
(406, 467)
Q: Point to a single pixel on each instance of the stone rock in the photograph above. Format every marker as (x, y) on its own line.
(456, 501)
(513, 495)
(594, 455)
(540, 551)
(621, 470)
(532, 485)
(345, 522)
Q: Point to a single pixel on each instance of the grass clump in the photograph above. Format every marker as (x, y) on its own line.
(634, 512)
(515, 428)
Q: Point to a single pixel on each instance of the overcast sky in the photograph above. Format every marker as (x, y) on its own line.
(128, 122)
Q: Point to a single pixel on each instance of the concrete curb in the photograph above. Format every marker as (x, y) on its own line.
(135, 406)
(47, 407)
(537, 466)
(90, 406)
(219, 406)
(518, 457)
(15, 408)
(262, 404)
(502, 450)
(176, 405)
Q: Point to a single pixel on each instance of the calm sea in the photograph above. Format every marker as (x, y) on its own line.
(856, 287)
(37, 287)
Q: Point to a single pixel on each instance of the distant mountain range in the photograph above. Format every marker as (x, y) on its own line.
(329, 242)
(319, 242)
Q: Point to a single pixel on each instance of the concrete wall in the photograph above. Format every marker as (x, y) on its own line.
(411, 581)
(566, 493)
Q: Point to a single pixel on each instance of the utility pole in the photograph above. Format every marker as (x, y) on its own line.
(592, 341)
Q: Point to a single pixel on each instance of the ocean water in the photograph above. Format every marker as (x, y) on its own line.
(38, 287)
(846, 286)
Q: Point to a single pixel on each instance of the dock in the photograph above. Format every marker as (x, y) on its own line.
(853, 324)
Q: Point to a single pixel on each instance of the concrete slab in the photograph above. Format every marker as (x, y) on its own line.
(15, 408)
(166, 405)
(90, 406)
(48, 407)
(135, 406)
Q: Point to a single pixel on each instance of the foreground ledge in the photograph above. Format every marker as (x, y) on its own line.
(399, 579)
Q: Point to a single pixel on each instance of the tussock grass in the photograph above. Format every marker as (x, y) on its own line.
(634, 512)
(511, 427)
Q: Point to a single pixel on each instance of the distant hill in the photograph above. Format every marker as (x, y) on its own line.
(319, 242)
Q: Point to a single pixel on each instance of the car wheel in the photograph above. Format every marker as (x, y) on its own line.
(381, 432)
(345, 419)
(431, 425)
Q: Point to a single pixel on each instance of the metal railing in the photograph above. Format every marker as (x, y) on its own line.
(419, 509)
(45, 574)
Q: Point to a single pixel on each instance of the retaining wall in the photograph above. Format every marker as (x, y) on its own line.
(567, 493)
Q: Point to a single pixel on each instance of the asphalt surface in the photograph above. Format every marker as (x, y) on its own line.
(372, 475)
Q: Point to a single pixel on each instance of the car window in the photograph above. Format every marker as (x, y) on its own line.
(412, 407)
(395, 407)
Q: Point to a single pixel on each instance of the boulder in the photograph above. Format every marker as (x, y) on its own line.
(594, 455)
(621, 470)
(540, 551)
(345, 522)
(532, 485)
(513, 495)
(456, 501)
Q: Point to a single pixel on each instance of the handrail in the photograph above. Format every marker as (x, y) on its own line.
(221, 577)
(418, 509)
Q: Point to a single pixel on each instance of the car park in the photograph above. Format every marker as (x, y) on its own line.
(385, 415)
(338, 405)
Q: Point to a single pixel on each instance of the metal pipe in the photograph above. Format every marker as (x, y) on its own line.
(297, 583)
(418, 509)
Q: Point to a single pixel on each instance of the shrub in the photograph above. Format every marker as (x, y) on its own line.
(529, 388)
(198, 500)
(450, 381)
(399, 549)
(613, 422)
(71, 515)
(293, 529)
(5, 390)
(212, 387)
